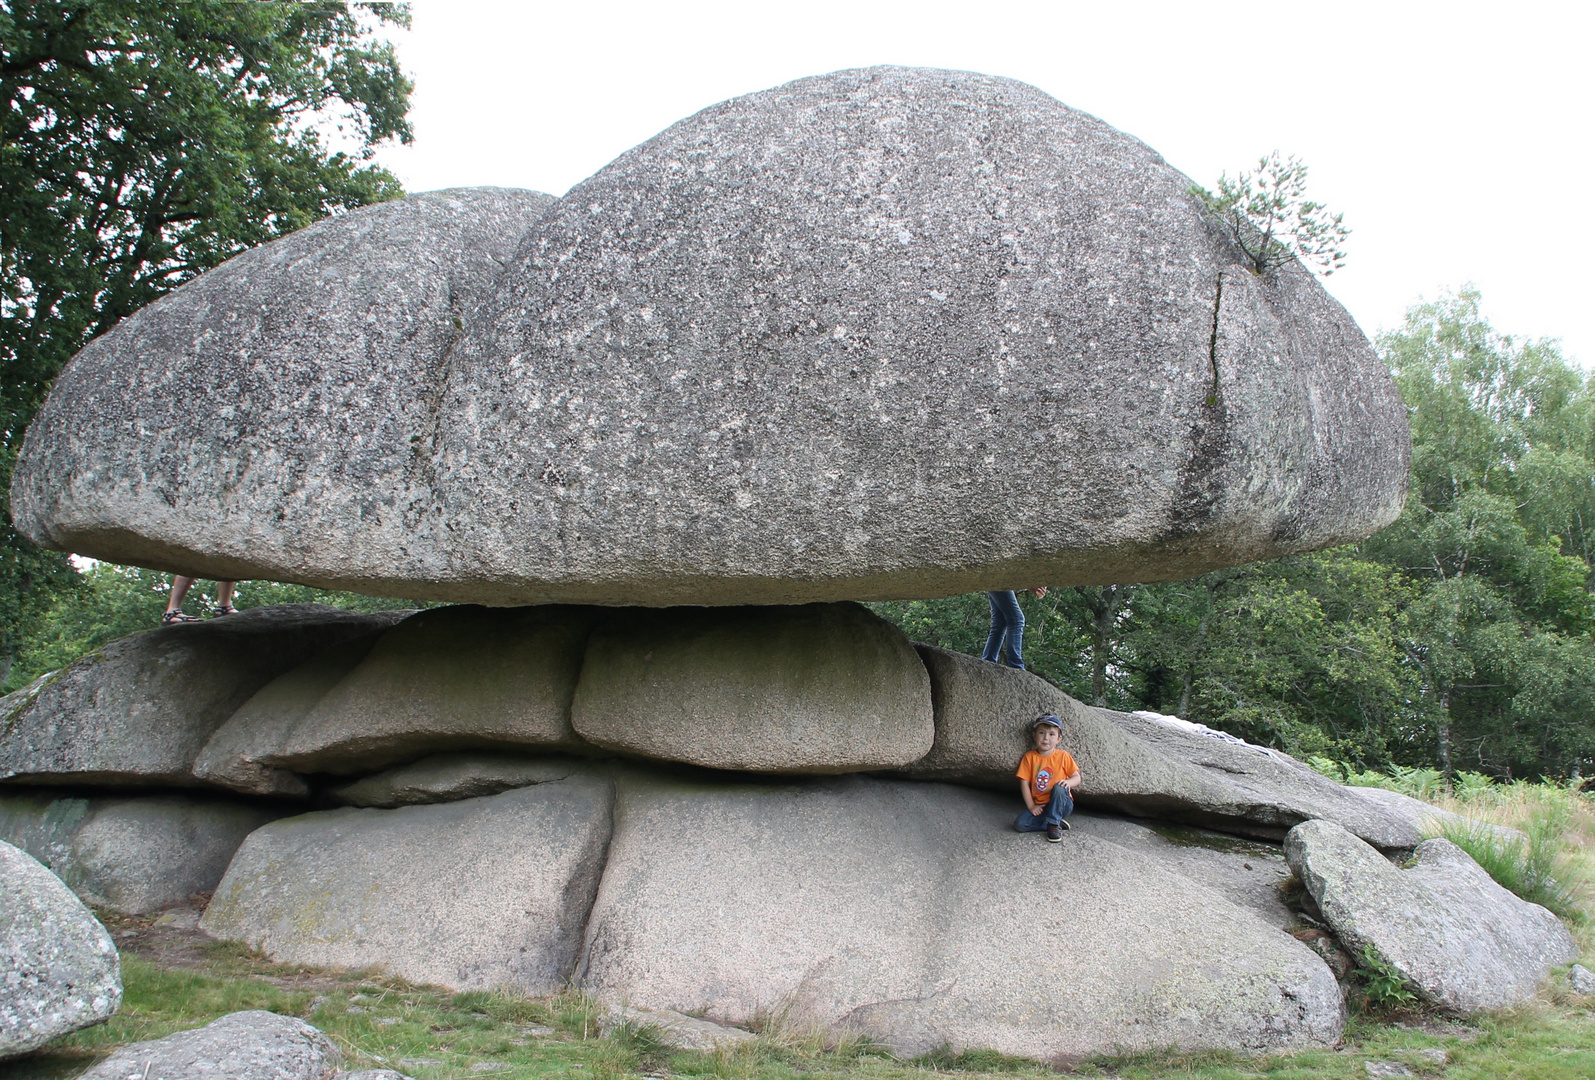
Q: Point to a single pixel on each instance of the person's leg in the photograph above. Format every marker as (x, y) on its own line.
(174, 603)
(1013, 618)
(1028, 822)
(224, 598)
(1061, 806)
(999, 627)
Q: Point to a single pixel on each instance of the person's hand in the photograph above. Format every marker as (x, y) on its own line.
(1039, 592)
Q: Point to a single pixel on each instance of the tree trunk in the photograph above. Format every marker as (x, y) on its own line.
(1444, 733)
(1104, 604)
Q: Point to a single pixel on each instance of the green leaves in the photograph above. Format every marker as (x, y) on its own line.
(1269, 217)
(146, 143)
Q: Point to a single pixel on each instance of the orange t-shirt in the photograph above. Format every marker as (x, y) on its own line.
(1043, 772)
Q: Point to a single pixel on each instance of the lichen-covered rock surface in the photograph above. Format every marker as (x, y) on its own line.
(890, 332)
(59, 970)
(280, 409)
(1443, 923)
(133, 854)
(139, 710)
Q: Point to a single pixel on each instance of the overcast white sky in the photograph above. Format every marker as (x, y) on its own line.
(1456, 137)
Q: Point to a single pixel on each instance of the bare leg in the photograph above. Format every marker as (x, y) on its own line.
(174, 603)
(224, 598)
(180, 587)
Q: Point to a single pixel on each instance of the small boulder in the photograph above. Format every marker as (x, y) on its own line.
(138, 711)
(59, 970)
(254, 1045)
(133, 854)
(817, 688)
(473, 895)
(451, 777)
(1581, 979)
(1462, 940)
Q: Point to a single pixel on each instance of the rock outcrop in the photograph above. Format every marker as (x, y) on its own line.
(139, 710)
(881, 333)
(130, 854)
(362, 888)
(58, 967)
(254, 1045)
(1463, 941)
(821, 688)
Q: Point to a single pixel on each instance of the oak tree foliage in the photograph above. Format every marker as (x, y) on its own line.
(145, 143)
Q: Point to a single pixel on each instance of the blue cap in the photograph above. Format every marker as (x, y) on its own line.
(1047, 720)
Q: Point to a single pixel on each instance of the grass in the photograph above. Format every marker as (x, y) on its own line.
(432, 1034)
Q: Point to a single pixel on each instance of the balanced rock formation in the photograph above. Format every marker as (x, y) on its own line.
(254, 1045)
(139, 710)
(130, 854)
(59, 970)
(882, 333)
(1462, 940)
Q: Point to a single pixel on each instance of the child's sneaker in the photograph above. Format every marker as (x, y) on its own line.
(1055, 832)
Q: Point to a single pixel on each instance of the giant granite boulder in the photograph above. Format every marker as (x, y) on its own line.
(59, 970)
(279, 407)
(890, 332)
(1442, 923)
(139, 710)
(132, 854)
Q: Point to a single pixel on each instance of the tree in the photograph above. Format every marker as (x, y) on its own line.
(146, 143)
(1267, 214)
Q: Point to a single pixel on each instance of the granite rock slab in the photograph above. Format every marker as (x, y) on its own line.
(476, 895)
(450, 777)
(1464, 942)
(889, 909)
(816, 688)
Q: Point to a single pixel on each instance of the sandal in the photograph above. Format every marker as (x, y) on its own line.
(170, 617)
(225, 609)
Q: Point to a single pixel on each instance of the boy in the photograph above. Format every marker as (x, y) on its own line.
(1047, 779)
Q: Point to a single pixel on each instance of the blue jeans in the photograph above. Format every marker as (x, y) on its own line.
(1061, 806)
(1007, 624)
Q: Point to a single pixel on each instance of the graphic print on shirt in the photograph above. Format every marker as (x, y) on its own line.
(1043, 780)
